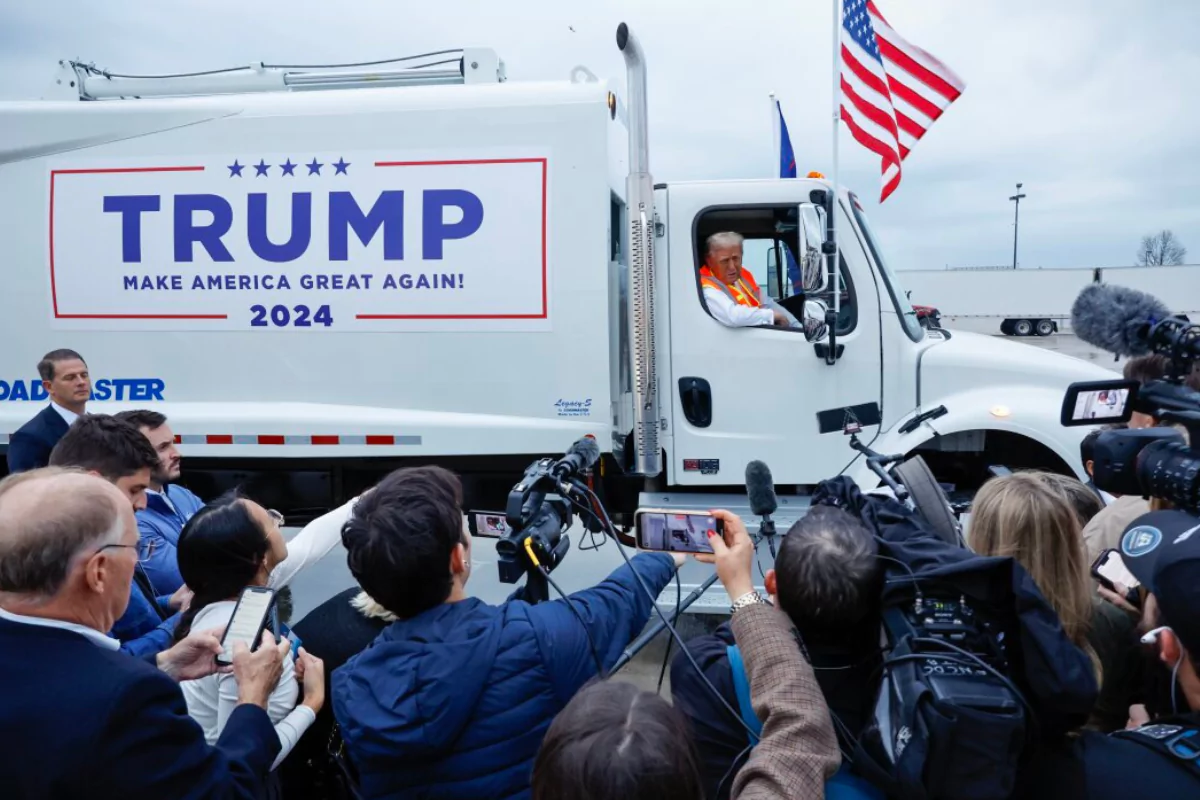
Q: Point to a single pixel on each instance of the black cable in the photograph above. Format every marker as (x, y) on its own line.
(662, 674)
(602, 514)
(729, 772)
(591, 644)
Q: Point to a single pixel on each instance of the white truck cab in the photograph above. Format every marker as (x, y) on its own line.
(321, 275)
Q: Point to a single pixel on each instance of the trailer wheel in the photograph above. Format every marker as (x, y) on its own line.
(929, 498)
(1045, 327)
(1023, 327)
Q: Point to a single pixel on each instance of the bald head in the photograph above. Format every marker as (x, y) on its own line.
(48, 519)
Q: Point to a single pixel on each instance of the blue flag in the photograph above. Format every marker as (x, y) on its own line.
(787, 169)
(787, 157)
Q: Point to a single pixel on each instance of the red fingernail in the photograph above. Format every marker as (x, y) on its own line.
(712, 534)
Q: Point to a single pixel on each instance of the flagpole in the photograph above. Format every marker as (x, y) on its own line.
(775, 136)
(837, 91)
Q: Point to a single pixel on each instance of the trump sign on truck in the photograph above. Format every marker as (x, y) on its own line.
(348, 241)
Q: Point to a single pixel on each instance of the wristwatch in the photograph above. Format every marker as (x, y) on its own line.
(748, 599)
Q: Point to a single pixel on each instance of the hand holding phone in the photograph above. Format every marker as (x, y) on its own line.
(257, 672)
(733, 553)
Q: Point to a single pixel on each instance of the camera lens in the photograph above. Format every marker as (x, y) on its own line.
(1171, 470)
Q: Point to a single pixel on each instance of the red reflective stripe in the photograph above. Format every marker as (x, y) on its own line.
(178, 439)
(324, 440)
(270, 439)
(381, 440)
(218, 438)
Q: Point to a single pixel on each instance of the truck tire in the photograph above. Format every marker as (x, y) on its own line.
(1022, 327)
(929, 498)
(1045, 327)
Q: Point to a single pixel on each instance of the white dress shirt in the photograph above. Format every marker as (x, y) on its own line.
(211, 700)
(67, 414)
(727, 312)
(99, 639)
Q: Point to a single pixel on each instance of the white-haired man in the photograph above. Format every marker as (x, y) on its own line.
(77, 717)
(733, 296)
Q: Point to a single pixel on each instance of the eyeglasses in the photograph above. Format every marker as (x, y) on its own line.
(276, 517)
(105, 547)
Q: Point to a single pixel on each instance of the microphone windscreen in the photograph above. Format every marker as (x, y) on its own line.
(760, 488)
(1116, 318)
(588, 449)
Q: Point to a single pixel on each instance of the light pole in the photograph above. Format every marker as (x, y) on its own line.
(1016, 198)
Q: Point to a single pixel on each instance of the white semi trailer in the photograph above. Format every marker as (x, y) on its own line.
(321, 275)
(1037, 302)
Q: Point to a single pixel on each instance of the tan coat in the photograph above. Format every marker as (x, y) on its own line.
(798, 750)
(1105, 529)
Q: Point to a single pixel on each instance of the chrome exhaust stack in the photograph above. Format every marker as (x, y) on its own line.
(639, 191)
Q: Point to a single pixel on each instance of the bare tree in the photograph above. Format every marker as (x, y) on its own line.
(1161, 250)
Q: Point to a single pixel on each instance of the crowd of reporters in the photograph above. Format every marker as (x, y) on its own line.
(116, 585)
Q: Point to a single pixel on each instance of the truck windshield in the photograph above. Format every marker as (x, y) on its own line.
(908, 317)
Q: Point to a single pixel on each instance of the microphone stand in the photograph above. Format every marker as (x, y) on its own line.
(766, 529)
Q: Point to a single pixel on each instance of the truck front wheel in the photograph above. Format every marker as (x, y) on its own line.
(1022, 327)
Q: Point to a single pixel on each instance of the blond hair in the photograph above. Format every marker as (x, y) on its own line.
(1029, 517)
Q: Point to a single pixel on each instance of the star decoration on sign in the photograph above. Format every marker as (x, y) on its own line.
(288, 167)
(261, 168)
(235, 169)
(340, 165)
(314, 168)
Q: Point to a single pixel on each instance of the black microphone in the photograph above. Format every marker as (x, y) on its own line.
(760, 488)
(582, 455)
(1117, 319)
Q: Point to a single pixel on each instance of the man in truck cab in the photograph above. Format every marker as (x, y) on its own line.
(733, 296)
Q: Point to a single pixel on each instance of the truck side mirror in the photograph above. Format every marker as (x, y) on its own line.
(812, 263)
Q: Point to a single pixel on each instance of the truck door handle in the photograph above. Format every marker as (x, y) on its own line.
(695, 395)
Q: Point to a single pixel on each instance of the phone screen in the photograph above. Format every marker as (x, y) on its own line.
(1101, 405)
(1112, 568)
(676, 531)
(247, 623)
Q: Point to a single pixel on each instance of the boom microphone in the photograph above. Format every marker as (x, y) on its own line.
(1117, 319)
(582, 455)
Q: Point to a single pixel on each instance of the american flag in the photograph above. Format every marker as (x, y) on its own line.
(892, 90)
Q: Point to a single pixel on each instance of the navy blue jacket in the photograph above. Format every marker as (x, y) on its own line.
(454, 702)
(159, 525)
(77, 720)
(147, 626)
(29, 448)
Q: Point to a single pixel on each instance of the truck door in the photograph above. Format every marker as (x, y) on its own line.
(744, 393)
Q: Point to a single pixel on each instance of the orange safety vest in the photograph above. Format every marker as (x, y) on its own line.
(744, 292)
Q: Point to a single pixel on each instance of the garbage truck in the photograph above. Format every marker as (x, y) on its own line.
(323, 274)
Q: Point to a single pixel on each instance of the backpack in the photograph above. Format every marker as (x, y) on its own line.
(947, 722)
(843, 785)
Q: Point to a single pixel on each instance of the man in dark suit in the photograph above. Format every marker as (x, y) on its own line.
(77, 717)
(65, 378)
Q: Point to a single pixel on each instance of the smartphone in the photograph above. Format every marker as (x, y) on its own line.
(674, 531)
(248, 622)
(1109, 569)
(1097, 402)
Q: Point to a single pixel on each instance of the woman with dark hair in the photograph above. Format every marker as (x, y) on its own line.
(616, 742)
(228, 545)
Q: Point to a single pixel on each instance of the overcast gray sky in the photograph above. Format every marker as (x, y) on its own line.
(1090, 103)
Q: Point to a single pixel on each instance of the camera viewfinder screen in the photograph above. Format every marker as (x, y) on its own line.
(1101, 405)
(670, 532)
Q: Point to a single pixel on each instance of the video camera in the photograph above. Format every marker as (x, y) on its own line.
(538, 512)
(1154, 462)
